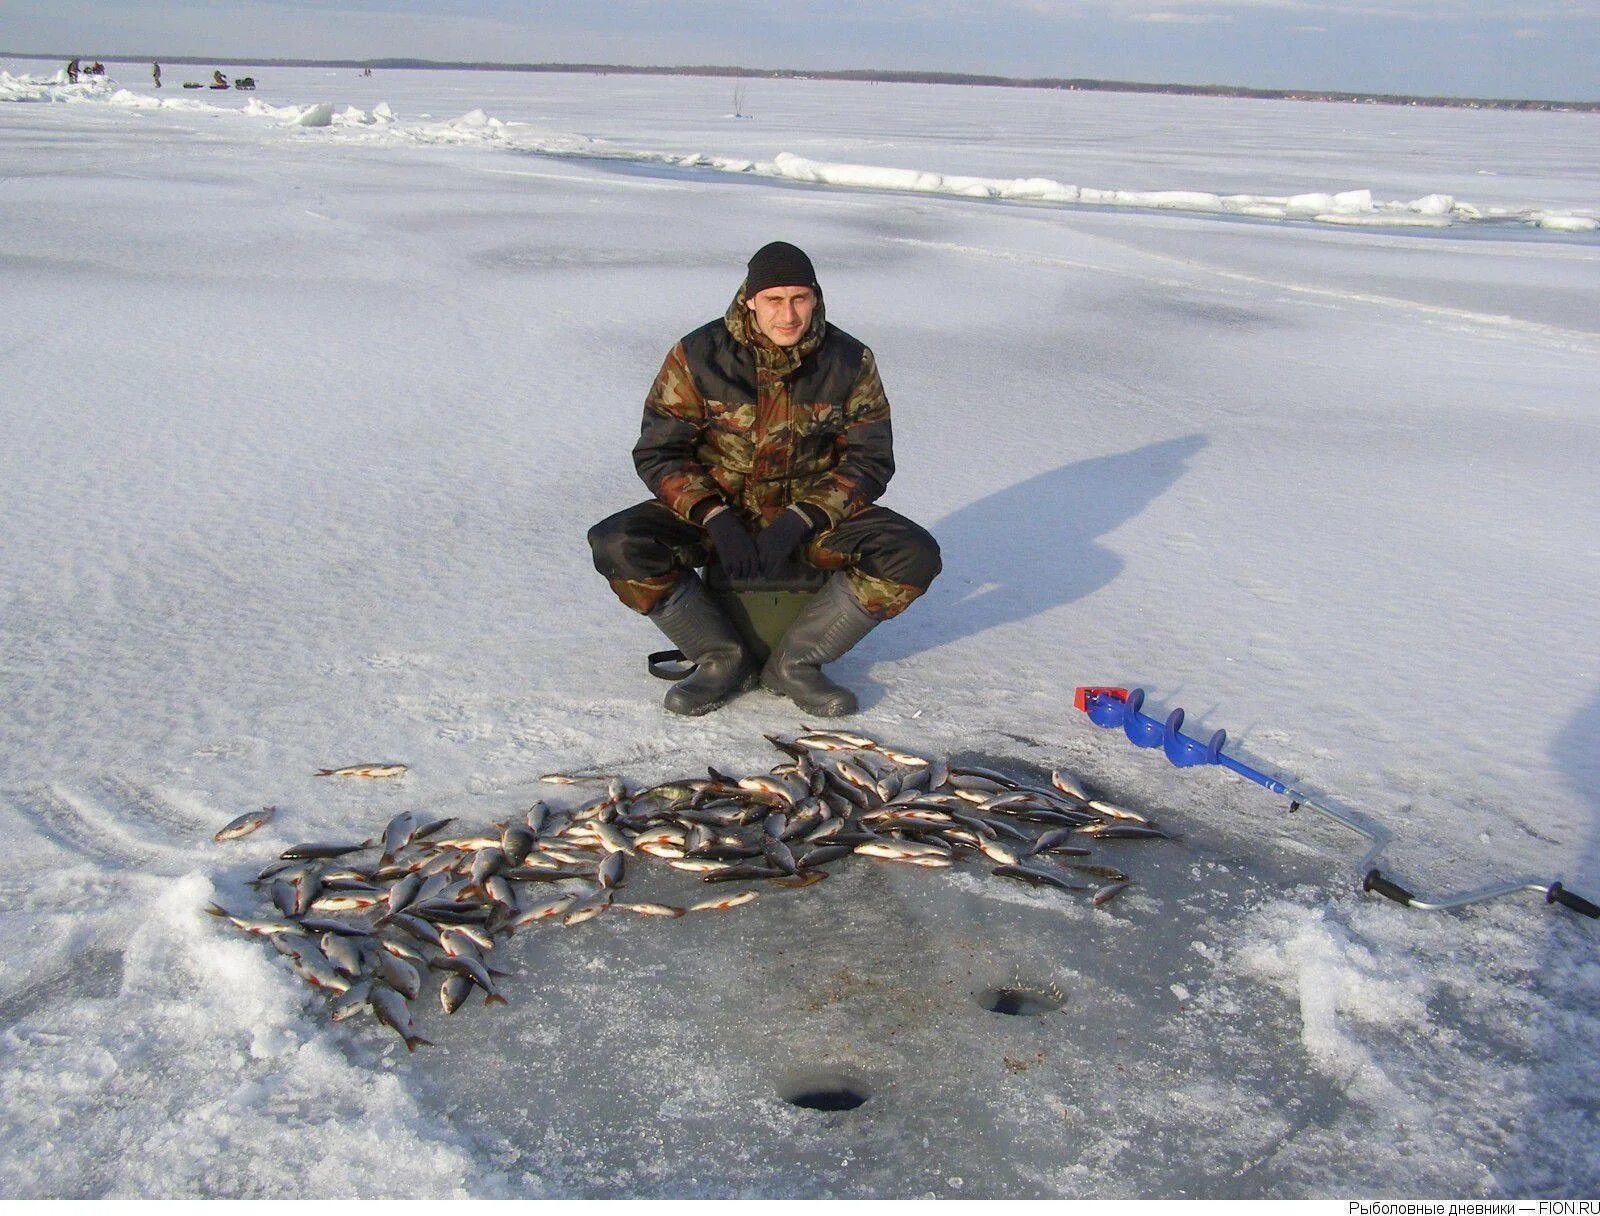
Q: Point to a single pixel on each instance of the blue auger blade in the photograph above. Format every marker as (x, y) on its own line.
(1118, 707)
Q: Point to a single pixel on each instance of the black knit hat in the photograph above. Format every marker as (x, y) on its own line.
(779, 264)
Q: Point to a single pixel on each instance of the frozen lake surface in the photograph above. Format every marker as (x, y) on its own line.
(305, 421)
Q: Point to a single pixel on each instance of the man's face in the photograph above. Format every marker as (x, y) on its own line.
(783, 313)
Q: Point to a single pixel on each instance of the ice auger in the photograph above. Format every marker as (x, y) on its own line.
(1118, 707)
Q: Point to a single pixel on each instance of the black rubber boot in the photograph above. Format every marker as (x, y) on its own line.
(831, 624)
(696, 626)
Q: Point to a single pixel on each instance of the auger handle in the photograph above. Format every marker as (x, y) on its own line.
(1375, 881)
(1555, 893)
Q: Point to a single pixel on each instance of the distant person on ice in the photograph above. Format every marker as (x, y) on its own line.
(766, 438)
(155, 74)
(218, 80)
(72, 70)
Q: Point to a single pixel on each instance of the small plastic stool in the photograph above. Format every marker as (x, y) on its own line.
(761, 610)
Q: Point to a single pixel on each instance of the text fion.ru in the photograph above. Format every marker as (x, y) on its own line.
(1504, 1207)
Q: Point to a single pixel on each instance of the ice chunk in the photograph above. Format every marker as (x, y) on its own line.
(1555, 222)
(1308, 204)
(1433, 204)
(1044, 189)
(319, 115)
(134, 101)
(873, 177)
(1180, 200)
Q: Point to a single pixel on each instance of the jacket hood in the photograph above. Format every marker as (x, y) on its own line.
(741, 323)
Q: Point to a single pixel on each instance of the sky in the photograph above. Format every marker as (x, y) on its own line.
(1486, 48)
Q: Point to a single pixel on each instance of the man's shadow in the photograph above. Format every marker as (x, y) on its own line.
(1559, 1099)
(1032, 546)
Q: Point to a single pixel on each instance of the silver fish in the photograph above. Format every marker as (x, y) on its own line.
(351, 1001)
(453, 992)
(610, 872)
(363, 770)
(473, 969)
(397, 834)
(516, 842)
(732, 900)
(400, 950)
(544, 911)
(457, 937)
(801, 880)
(254, 926)
(501, 891)
(699, 865)
(404, 892)
(587, 909)
(314, 923)
(272, 870)
(838, 737)
(342, 952)
(995, 851)
(399, 974)
(612, 839)
(244, 824)
(392, 1010)
(649, 909)
(319, 972)
(285, 897)
(1106, 894)
(345, 901)
(1039, 877)
(779, 854)
(899, 850)
(1069, 785)
(486, 862)
(1124, 831)
(317, 850)
(662, 850)
(1116, 811)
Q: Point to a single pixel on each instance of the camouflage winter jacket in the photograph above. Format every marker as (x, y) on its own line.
(735, 418)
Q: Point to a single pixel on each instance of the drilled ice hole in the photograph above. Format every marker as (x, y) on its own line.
(823, 1089)
(1019, 1000)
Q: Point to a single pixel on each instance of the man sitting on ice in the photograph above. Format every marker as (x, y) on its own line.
(766, 438)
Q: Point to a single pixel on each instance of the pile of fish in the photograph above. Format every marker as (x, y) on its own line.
(366, 921)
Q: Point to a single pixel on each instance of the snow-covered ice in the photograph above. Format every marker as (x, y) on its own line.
(1282, 411)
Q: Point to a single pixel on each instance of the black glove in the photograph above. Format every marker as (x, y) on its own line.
(733, 544)
(778, 540)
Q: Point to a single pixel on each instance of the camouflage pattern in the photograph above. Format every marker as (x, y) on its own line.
(734, 418)
(888, 560)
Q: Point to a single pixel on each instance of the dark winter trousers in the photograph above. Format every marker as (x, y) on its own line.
(888, 560)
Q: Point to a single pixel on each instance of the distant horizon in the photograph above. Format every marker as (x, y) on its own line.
(879, 75)
(1489, 49)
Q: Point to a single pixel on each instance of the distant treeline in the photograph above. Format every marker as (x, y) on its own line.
(876, 75)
